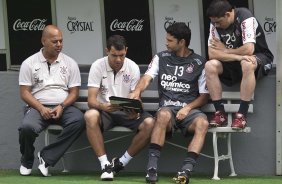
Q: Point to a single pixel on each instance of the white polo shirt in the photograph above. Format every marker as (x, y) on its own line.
(50, 87)
(101, 76)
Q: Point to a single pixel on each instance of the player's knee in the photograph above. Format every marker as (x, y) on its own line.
(91, 116)
(211, 66)
(149, 123)
(202, 124)
(247, 67)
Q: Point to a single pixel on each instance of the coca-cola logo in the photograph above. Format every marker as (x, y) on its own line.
(132, 25)
(34, 25)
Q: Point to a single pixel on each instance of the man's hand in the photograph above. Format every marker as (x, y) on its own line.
(182, 113)
(251, 59)
(57, 112)
(108, 107)
(132, 114)
(218, 45)
(134, 95)
(46, 113)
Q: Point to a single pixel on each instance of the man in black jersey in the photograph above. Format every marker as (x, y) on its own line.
(182, 91)
(238, 52)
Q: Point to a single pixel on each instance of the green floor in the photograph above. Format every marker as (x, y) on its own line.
(13, 177)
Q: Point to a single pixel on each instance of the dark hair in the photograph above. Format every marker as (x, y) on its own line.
(180, 30)
(218, 8)
(117, 41)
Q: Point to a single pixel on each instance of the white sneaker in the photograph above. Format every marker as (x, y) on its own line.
(25, 171)
(107, 173)
(43, 169)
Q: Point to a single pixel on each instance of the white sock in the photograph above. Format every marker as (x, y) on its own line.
(125, 158)
(103, 161)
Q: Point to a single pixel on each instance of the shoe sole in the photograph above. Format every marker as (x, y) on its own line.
(237, 128)
(107, 179)
(216, 125)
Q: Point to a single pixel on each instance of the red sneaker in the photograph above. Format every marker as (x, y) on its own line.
(239, 121)
(219, 119)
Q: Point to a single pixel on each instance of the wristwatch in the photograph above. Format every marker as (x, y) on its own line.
(62, 105)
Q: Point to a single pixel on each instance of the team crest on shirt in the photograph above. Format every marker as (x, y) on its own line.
(63, 69)
(126, 78)
(190, 68)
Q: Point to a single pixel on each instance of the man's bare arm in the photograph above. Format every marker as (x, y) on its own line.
(142, 84)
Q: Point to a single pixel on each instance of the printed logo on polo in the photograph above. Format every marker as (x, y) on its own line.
(33, 25)
(73, 25)
(126, 78)
(63, 69)
(131, 25)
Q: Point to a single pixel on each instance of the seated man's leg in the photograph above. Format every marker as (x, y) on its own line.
(32, 125)
(195, 123)
(73, 124)
(96, 140)
(248, 84)
(213, 69)
(163, 124)
(144, 126)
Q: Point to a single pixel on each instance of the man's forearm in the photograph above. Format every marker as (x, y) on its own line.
(246, 49)
(223, 56)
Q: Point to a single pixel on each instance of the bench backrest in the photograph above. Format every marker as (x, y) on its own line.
(150, 101)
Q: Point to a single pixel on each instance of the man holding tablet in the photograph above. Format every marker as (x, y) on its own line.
(114, 75)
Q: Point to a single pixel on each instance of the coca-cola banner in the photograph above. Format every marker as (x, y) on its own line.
(2, 35)
(266, 15)
(130, 19)
(80, 22)
(167, 12)
(26, 20)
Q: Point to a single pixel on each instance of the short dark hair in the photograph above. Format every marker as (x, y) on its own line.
(218, 8)
(117, 41)
(180, 30)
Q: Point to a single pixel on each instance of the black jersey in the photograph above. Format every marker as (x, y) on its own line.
(181, 79)
(245, 29)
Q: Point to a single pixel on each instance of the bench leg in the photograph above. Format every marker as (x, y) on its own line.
(216, 159)
(230, 156)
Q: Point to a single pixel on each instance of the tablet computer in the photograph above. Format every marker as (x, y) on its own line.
(127, 103)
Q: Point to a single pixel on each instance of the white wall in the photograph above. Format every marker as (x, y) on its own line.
(84, 43)
(168, 11)
(265, 12)
(2, 35)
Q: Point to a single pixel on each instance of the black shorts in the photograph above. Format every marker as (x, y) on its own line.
(183, 124)
(119, 118)
(232, 71)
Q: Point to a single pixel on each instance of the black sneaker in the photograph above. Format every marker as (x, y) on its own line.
(152, 176)
(182, 177)
(107, 173)
(117, 165)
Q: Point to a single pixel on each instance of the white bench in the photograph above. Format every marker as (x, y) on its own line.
(150, 102)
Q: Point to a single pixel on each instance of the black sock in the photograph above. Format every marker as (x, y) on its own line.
(244, 107)
(190, 161)
(218, 105)
(154, 155)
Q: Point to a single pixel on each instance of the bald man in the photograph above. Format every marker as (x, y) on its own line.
(49, 84)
